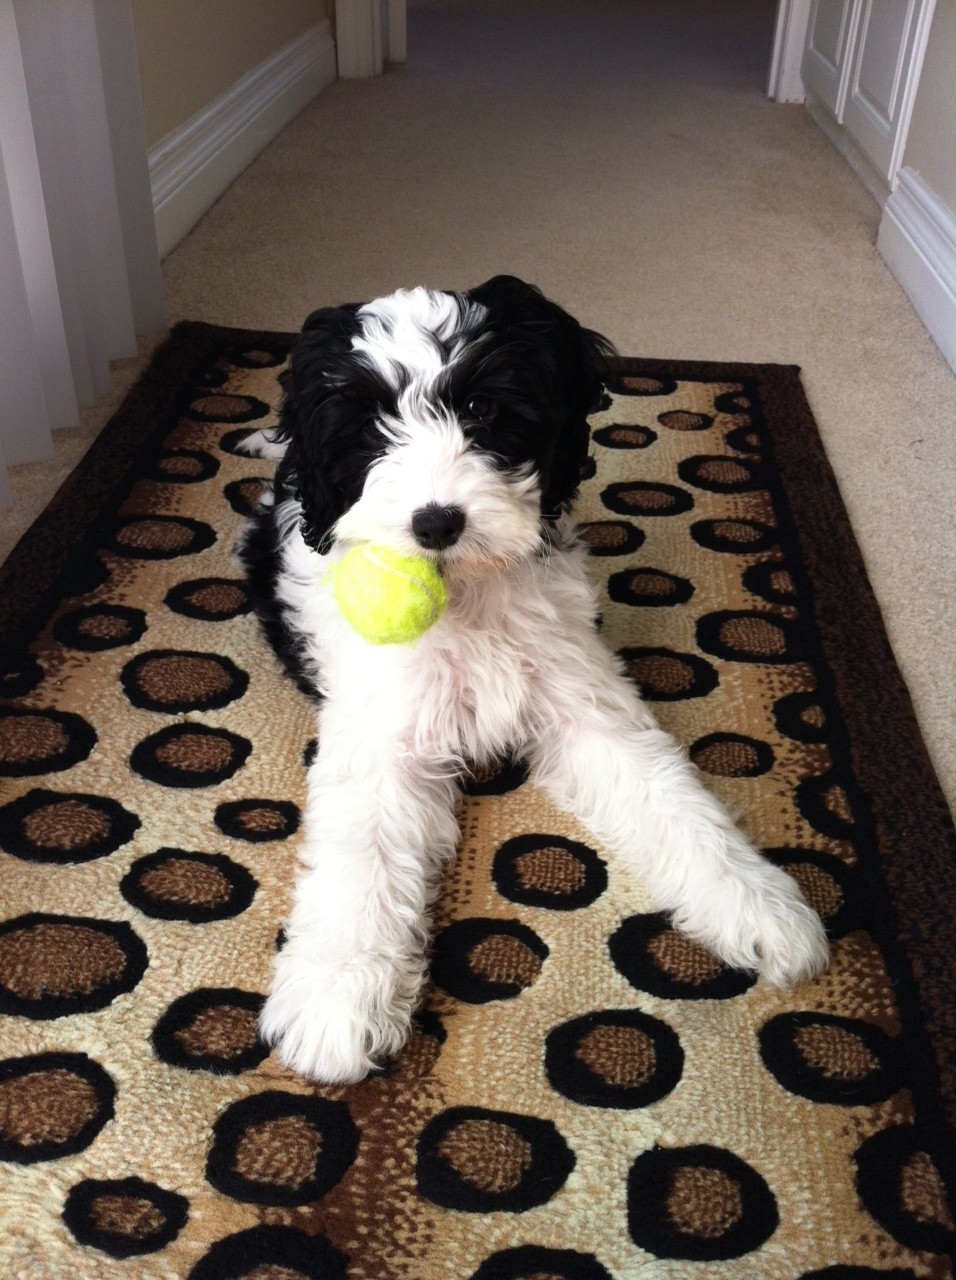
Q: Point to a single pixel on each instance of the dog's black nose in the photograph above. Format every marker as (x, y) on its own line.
(437, 527)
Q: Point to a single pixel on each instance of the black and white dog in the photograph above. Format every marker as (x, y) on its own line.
(453, 426)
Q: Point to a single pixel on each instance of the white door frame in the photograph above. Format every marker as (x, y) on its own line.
(368, 35)
(790, 36)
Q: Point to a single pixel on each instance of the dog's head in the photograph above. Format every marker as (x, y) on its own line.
(447, 424)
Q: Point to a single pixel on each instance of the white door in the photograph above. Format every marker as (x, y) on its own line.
(828, 51)
(884, 73)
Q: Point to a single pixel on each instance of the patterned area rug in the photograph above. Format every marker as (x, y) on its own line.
(587, 1094)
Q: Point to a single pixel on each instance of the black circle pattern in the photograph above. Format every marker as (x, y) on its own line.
(175, 884)
(124, 1217)
(64, 826)
(801, 716)
(734, 536)
(655, 957)
(732, 755)
(701, 1203)
(642, 498)
(611, 537)
(210, 599)
(739, 635)
(624, 436)
(212, 1029)
(478, 960)
(614, 1058)
(177, 680)
(901, 1188)
(535, 1262)
(277, 1250)
(52, 966)
(496, 778)
(185, 466)
(549, 871)
(831, 1059)
(160, 537)
(52, 1105)
(34, 741)
(828, 884)
(664, 675)
(190, 755)
(650, 588)
(96, 627)
(721, 473)
(278, 1148)
(244, 495)
(479, 1161)
(258, 821)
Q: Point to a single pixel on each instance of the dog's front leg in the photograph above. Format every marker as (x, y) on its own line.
(378, 827)
(605, 758)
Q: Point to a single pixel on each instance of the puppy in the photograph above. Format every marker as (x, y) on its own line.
(454, 426)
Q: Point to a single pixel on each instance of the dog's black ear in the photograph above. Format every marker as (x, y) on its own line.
(573, 363)
(309, 386)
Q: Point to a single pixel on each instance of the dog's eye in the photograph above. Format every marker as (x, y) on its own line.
(479, 408)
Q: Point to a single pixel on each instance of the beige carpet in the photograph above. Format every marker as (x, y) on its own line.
(625, 157)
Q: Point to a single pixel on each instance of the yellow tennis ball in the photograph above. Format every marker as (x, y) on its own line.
(387, 597)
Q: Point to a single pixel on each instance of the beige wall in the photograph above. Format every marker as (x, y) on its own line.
(931, 143)
(191, 51)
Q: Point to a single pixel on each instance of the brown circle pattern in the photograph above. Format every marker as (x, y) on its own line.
(657, 958)
(190, 756)
(211, 1029)
(33, 742)
(176, 680)
(480, 1161)
(701, 1203)
(619, 1058)
(64, 827)
(827, 1058)
(52, 966)
(549, 871)
(161, 537)
(210, 599)
(97, 627)
(124, 1217)
(732, 755)
(478, 960)
(173, 884)
(663, 675)
(52, 1105)
(278, 1148)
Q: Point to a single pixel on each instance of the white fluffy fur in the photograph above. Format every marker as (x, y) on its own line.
(514, 663)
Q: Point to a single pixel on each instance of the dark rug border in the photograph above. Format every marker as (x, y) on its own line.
(909, 816)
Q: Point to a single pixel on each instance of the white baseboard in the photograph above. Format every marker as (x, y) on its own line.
(191, 168)
(918, 242)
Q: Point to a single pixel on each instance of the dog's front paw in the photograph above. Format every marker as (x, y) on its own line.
(761, 922)
(333, 1023)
